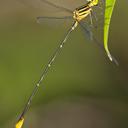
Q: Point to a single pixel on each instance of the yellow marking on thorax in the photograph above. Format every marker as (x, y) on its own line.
(80, 14)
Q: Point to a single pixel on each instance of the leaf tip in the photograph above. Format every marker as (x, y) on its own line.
(110, 56)
(112, 59)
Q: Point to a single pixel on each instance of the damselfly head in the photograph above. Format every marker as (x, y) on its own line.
(94, 2)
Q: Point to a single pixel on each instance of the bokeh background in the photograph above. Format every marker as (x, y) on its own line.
(82, 89)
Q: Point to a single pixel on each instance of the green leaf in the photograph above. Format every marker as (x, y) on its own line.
(109, 6)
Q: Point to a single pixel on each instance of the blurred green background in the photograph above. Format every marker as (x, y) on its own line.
(82, 89)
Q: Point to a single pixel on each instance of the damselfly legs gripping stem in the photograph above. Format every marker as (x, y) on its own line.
(78, 15)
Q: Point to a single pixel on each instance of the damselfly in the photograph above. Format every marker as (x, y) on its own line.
(78, 15)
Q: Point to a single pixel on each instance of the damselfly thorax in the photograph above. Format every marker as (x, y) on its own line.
(83, 11)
